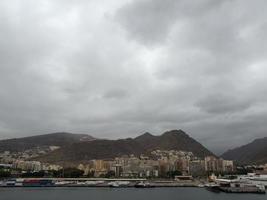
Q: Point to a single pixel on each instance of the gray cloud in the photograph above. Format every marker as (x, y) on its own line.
(223, 104)
(115, 94)
(151, 21)
(120, 68)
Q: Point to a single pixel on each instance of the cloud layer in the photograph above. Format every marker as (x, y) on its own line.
(120, 68)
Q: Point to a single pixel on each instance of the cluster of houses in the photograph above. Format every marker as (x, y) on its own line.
(158, 164)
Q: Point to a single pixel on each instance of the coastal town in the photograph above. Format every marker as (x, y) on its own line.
(158, 164)
(161, 168)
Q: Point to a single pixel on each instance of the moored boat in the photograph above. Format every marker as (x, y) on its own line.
(119, 184)
(240, 186)
(37, 183)
(143, 185)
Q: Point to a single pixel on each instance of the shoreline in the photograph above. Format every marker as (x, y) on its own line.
(105, 185)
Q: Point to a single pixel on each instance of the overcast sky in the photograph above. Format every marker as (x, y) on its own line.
(118, 68)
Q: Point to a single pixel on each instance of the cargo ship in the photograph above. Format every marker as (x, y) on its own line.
(37, 183)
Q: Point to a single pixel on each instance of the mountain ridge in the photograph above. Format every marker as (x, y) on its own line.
(51, 139)
(143, 144)
(254, 152)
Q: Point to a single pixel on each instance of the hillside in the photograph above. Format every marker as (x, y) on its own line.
(53, 139)
(175, 139)
(107, 149)
(252, 153)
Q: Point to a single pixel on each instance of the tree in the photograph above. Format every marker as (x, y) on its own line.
(172, 174)
(4, 173)
(110, 174)
(29, 174)
(91, 174)
(71, 173)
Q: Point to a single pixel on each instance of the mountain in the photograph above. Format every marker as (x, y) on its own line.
(108, 149)
(175, 139)
(53, 139)
(252, 153)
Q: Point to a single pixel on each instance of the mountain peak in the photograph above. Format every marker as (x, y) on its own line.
(175, 133)
(146, 135)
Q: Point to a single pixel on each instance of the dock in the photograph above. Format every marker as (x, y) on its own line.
(243, 190)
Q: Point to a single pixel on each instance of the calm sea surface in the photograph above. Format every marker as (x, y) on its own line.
(120, 194)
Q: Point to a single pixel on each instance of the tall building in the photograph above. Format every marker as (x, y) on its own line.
(197, 168)
(214, 164)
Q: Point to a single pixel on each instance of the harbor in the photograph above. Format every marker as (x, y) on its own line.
(88, 182)
(242, 184)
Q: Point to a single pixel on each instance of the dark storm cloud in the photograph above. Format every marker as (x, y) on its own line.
(120, 68)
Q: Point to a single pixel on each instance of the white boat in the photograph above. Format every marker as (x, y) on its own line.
(255, 179)
(81, 183)
(19, 182)
(240, 186)
(119, 183)
(93, 183)
(62, 183)
(143, 185)
(113, 184)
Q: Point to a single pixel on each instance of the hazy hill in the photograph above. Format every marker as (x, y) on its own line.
(175, 139)
(53, 139)
(107, 149)
(254, 152)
